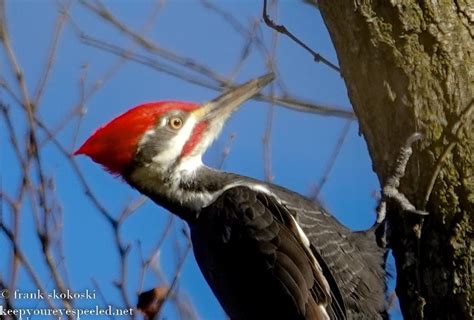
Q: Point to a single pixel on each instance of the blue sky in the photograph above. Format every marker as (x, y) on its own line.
(301, 143)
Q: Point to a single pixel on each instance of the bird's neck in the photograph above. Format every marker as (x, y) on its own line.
(184, 192)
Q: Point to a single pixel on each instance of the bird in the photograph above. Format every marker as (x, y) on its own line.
(265, 251)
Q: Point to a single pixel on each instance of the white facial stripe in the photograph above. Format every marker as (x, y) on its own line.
(212, 132)
(193, 160)
(176, 144)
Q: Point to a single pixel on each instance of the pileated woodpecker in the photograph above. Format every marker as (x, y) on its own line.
(266, 252)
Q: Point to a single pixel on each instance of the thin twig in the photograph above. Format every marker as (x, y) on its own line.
(50, 58)
(81, 105)
(230, 19)
(455, 131)
(225, 151)
(186, 62)
(101, 294)
(156, 251)
(33, 154)
(29, 268)
(178, 269)
(332, 160)
(130, 208)
(285, 101)
(283, 30)
(251, 35)
(123, 254)
(101, 80)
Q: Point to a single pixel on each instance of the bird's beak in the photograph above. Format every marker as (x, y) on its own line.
(216, 111)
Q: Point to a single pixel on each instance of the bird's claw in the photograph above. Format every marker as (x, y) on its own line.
(405, 204)
(390, 190)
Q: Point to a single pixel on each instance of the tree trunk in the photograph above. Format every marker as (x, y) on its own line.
(408, 66)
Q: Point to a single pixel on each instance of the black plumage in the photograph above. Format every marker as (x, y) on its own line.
(245, 247)
(255, 261)
(252, 258)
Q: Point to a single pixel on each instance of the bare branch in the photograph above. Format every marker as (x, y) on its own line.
(24, 261)
(186, 62)
(332, 160)
(50, 58)
(464, 118)
(283, 30)
(286, 101)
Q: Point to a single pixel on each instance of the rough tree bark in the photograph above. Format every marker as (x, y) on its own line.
(408, 66)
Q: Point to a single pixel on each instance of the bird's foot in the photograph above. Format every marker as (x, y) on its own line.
(390, 189)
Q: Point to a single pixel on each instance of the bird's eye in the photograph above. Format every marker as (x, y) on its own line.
(175, 123)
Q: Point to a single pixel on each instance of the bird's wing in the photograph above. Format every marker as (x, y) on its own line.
(355, 261)
(285, 248)
(324, 285)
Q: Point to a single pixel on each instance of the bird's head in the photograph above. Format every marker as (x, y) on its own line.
(165, 136)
